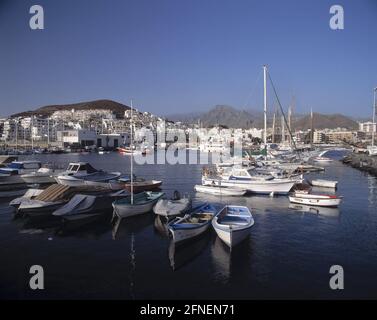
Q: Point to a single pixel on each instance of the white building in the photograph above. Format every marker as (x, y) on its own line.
(367, 127)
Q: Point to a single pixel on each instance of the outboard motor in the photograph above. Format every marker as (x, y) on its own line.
(176, 195)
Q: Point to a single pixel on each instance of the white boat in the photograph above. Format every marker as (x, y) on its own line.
(173, 207)
(84, 209)
(324, 183)
(322, 159)
(29, 194)
(192, 224)
(372, 150)
(316, 199)
(41, 176)
(251, 181)
(140, 203)
(232, 224)
(20, 167)
(220, 190)
(79, 172)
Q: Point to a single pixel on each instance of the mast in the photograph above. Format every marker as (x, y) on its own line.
(282, 130)
(32, 132)
(265, 103)
(311, 127)
(16, 134)
(48, 131)
(374, 116)
(273, 128)
(132, 159)
(289, 124)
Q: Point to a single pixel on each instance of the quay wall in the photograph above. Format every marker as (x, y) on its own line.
(362, 162)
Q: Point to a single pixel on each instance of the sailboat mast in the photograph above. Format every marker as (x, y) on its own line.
(132, 158)
(374, 116)
(265, 102)
(311, 128)
(273, 128)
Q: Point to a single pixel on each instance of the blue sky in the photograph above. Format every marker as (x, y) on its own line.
(178, 56)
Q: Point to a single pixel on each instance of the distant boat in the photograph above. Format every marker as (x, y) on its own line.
(316, 199)
(173, 207)
(220, 190)
(322, 159)
(232, 224)
(192, 224)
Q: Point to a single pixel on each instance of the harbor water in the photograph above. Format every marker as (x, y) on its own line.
(288, 254)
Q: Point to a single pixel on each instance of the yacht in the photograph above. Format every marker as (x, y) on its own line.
(253, 181)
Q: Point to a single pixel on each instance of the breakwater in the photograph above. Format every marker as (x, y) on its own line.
(362, 162)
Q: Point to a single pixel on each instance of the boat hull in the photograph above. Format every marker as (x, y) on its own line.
(331, 202)
(181, 235)
(263, 187)
(220, 191)
(233, 237)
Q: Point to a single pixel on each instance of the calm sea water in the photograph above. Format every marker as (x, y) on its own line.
(288, 254)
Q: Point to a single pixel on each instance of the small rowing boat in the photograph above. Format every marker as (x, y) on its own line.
(220, 190)
(192, 224)
(324, 183)
(321, 200)
(232, 224)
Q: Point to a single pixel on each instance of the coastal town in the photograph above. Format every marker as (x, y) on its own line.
(80, 127)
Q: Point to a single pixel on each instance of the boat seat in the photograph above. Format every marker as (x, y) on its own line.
(231, 220)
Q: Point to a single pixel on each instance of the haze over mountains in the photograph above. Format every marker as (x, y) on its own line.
(234, 118)
(219, 115)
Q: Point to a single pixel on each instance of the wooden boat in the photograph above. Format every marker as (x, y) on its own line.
(140, 203)
(54, 197)
(302, 188)
(232, 224)
(173, 207)
(315, 199)
(142, 185)
(192, 224)
(220, 190)
(324, 183)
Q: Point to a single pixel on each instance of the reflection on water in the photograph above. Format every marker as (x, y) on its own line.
(372, 186)
(324, 211)
(183, 254)
(289, 245)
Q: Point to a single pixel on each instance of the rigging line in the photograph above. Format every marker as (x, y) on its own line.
(253, 90)
(282, 111)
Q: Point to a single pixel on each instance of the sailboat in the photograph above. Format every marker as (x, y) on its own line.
(135, 204)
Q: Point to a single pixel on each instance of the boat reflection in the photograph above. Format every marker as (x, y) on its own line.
(183, 254)
(323, 211)
(230, 263)
(126, 226)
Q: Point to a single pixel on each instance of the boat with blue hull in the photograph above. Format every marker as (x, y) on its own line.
(192, 224)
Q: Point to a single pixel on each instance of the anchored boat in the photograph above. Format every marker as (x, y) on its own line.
(316, 199)
(192, 224)
(232, 224)
(220, 190)
(173, 207)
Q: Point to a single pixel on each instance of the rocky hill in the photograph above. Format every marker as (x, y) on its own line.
(117, 108)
